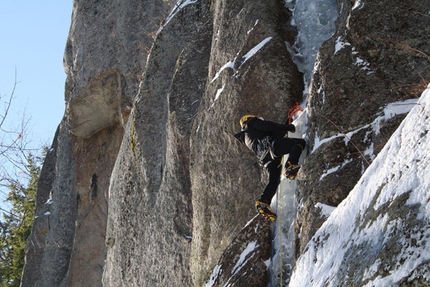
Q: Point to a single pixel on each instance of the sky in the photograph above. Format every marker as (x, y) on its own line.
(33, 36)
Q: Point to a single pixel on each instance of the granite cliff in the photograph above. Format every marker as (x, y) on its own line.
(145, 184)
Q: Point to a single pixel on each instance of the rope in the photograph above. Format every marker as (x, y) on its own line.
(271, 256)
(273, 243)
(279, 210)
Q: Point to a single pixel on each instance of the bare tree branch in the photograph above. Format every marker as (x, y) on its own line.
(8, 103)
(13, 145)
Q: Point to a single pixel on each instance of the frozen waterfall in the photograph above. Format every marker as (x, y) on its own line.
(315, 22)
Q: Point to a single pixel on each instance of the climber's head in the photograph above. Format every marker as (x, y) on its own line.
(245, 118)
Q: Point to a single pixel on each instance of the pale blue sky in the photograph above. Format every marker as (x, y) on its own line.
(33, 36)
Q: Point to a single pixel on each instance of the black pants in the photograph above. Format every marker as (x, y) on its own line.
(282, 146)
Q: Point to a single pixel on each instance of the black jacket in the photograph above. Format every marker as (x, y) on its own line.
(256, 130)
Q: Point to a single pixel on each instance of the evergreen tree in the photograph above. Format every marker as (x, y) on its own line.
(17, 224)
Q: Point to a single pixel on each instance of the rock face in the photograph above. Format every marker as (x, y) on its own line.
(36, 242)
(225, 177)
(150, 194)
(370, 62)
(145, 184)
(385, 240)
(177, 171)
(248, 253)
(105, 56)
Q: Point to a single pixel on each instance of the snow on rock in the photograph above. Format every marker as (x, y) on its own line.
(380, 234)
(244, 257)
(255, 49)
(178, 7)
(340, 45)
(325, 209)
(246, 57)
(245, 261)
(215, 273)
(229, 64)
(389, 112)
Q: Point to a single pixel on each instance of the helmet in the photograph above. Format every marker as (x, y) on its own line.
(245, 119)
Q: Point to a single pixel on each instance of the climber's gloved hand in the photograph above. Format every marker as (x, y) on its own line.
(291, 128)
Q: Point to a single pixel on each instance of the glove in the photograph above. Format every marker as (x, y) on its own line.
(291, 128)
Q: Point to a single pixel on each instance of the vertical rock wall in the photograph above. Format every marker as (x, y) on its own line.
(150, 209)
(50, 243)
(378, 55)
(226, 179)
(104, 58)
(153, 220)
(180, 172)
(145, 184)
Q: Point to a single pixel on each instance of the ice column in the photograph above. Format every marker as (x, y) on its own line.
(315, 22)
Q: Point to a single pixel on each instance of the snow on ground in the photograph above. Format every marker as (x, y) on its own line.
(401, 167)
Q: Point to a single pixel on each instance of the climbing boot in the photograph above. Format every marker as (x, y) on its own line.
(265, 210)
(291, 170)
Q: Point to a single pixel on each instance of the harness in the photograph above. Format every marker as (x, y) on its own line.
(264, 148)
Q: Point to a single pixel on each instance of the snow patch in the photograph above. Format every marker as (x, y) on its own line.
(363, 64)
(244, 59)
(339, 45)
(243, 258)
(358, 5)
(218, 93)
(178, 7)
(319, 142)
(255, 49)
(249, 222)
(389, 177)
(267, 263)
(335, 169)
(215, 273)
(389, 112)
(250, 30)
(226, 65)
(326, 210)
(321, 91)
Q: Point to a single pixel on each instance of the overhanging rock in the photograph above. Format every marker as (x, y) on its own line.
(97, 107)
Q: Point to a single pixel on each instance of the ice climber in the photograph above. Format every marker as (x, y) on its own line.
(267, 140)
